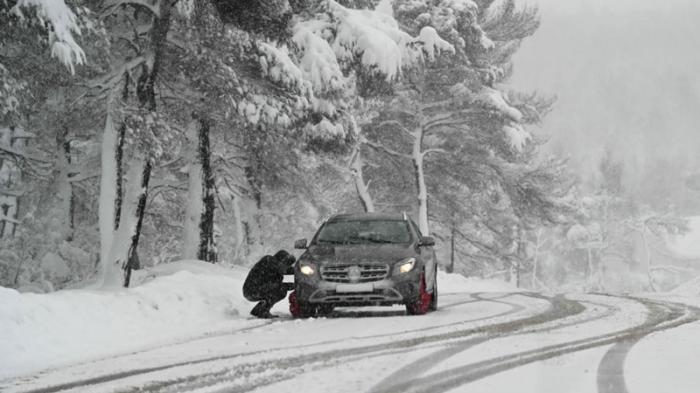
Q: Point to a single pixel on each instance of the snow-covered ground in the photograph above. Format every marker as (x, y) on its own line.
(187, 299)
(174, 302)
(186, 328)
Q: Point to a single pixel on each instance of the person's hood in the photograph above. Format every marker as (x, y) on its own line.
(359, 253)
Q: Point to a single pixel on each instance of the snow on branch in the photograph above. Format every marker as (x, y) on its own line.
(276, 64)
(434, 150)
(317, 60)
(432, 43)
(63, 24)
(461, 5)
(494, 99)
(672, 268)
(516, 136)
(152, 6)
(373, 36)
(376, 38)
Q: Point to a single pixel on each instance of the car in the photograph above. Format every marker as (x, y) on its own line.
(365, 259)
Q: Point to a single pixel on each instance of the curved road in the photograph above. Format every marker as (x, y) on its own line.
(468, 345)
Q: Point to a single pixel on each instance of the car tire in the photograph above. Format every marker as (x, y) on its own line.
(421, 304)
(294, 307)
(434, 300)
(301, 309)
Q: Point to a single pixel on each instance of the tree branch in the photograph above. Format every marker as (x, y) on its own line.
(433, 150)
(109, 81)
(113, 4)
(449, 119)
(385, 149)
(26, 156)
(397, 124)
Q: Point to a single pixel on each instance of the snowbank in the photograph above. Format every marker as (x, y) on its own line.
(690, 288)
(168, 303)
(187, 299)
(449, 283)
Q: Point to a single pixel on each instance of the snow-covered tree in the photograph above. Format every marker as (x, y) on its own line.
(461, 136)
(217, 129)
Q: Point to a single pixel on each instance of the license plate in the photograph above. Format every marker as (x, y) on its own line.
(352, 288)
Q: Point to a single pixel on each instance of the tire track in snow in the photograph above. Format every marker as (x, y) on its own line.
(611, 375)
(272, 371)
(409, 371)
(18, 380)
(474, 297)
(663, 316)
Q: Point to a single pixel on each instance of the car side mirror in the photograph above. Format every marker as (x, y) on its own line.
(300, 244)
(427, 241)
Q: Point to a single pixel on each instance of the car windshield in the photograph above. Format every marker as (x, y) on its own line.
(364, 232)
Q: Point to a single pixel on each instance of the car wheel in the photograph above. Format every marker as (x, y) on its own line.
(434, 300)
(297, 308)
(294, 306)
(300, 309)
(421, 304)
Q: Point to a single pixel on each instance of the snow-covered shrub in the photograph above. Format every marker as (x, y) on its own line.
(42, 259)
(10, 265)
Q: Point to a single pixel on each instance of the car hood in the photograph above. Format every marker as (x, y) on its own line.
(360, 253)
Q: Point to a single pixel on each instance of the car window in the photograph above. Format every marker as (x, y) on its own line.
(364, 232)
(415, 228)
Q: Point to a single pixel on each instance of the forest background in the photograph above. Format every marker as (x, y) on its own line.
(140, 132)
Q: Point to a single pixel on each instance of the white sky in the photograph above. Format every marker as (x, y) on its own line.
(626, 72)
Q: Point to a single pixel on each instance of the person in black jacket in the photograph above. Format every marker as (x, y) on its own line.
(265, 285)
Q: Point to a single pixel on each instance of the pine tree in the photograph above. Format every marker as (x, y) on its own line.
(460, 127)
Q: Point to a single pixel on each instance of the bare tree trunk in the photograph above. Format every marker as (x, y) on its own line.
(422, 191)
(123, 253)
(119, 180)
(361, 187)
(513, 272)
(133, 259)
(648, 254)
(535, 260)
(591, 268)
(451, 266)
(199, 216)
(239, 250)
(145, 91)
(64, 188)
(207, 248)
(107, 216)
(194, 208)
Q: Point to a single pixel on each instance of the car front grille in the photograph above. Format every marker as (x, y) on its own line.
(367, 273)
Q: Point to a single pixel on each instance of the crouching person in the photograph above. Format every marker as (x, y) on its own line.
(265, 285)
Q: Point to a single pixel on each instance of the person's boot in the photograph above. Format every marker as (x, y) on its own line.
(260, 310)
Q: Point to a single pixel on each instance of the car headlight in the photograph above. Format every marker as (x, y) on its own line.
(406, 266)
(307, 270)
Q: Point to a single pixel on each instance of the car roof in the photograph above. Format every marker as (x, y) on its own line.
(368, 217)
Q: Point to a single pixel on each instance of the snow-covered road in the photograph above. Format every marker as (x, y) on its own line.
(487, 342)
